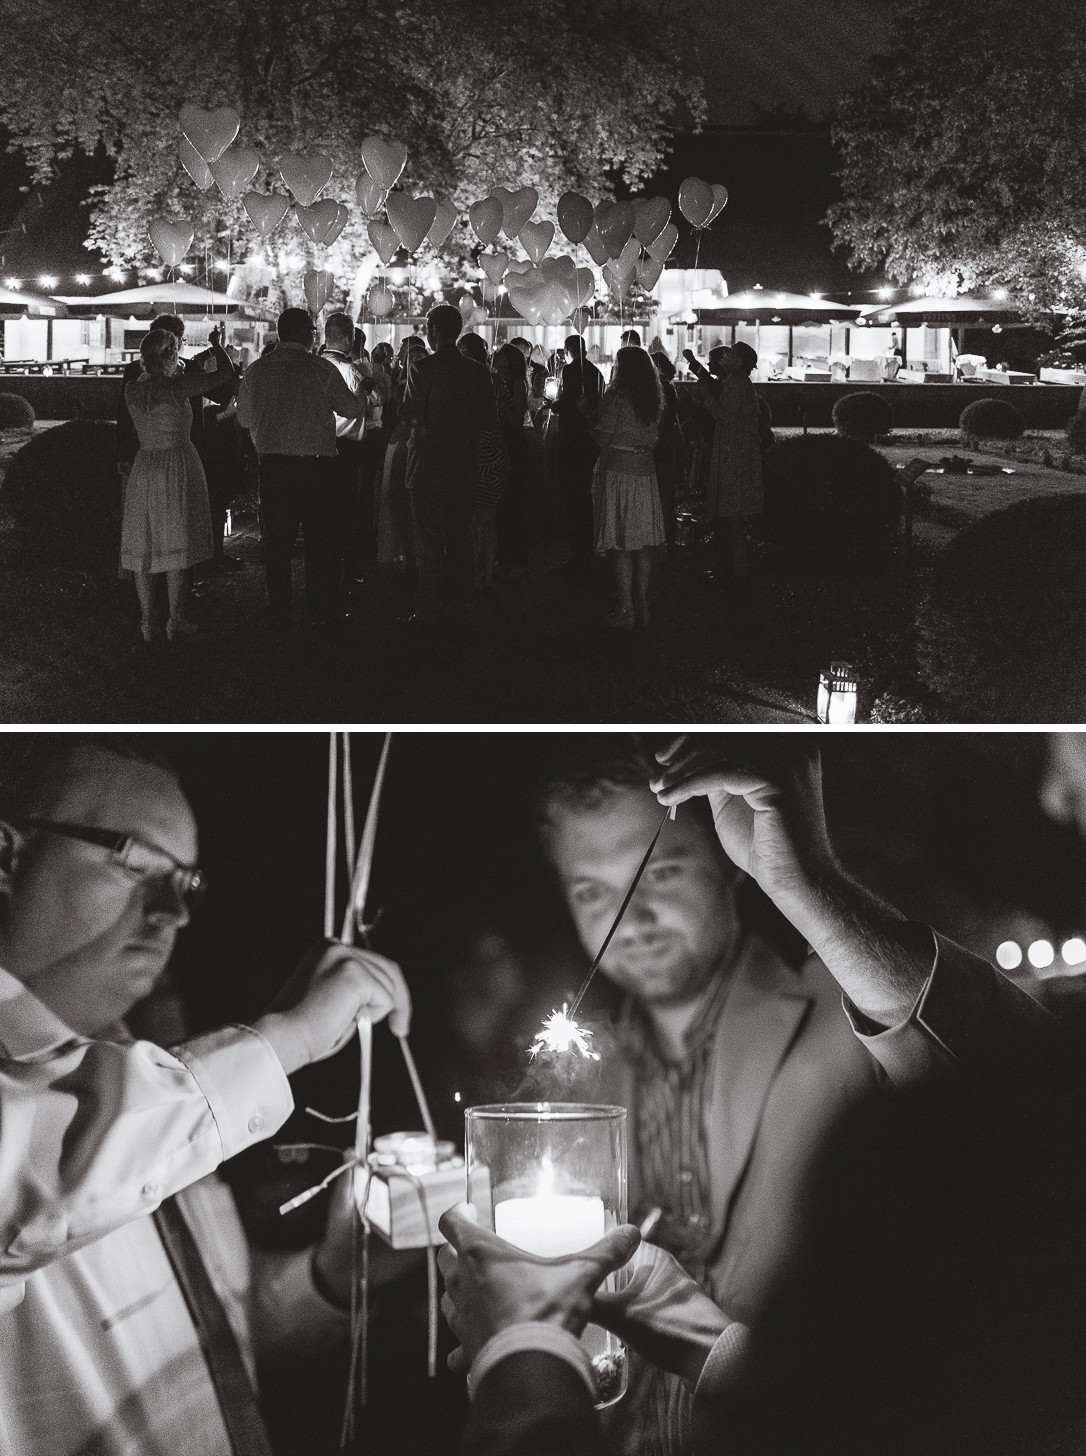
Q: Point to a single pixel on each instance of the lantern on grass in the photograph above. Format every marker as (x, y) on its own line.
(837, 694)
(550, 1178)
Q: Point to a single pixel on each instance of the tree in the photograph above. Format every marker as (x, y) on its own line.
(557, 95)
(964, 157)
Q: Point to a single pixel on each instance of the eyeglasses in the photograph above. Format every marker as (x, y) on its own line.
(133, 854)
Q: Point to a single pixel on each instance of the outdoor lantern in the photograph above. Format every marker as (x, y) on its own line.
(837, 693)
(550, 1177)
(550, 389)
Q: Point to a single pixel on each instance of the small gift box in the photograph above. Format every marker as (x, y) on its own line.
(412, 1181)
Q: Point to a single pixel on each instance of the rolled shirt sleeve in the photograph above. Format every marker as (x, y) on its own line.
(342, 397)
(94, 1134)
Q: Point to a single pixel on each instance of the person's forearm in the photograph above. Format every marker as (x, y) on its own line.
(880, 959)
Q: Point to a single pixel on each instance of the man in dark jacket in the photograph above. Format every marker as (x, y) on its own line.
(449, 403)
(577, 407)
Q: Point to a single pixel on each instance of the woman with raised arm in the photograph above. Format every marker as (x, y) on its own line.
(166, 526)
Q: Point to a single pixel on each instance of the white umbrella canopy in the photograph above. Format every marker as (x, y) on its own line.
(17, 300)
(152, 298)
(770, 305)
(952, 312)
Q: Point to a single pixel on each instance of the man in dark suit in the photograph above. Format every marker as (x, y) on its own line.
(449, 403)
(760, 1108)
(128, 443)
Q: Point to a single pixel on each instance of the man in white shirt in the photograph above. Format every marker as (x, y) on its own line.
(143, 1312)
(354, 514)
(289, 400)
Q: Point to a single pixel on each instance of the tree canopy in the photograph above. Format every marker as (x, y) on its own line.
(556, 95)
(964, 157)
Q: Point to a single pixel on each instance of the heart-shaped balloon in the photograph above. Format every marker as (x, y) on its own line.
(370, 195)
(412, 218)
(580, 318)
(517, 208)
(265, 213)
(527, 305)
(384, 239)
(445, 219)
(618, 283)
(486, 219)
(648, 273)
(651, 216)
(662, 247)
(597, 248)
(720, 199)
(343, 217)
(584, 287)
(574, 216)
(617, 269)
(614, 223)
(695, 201)
(319, 285)
(234, 170)
(491, 292)
(555, 303)
(466, 305)
(319, 220)
(630, 254)
(380, 300)
(536, 238)
(210, 132)
(384, 161)
(519, 268)
(559, 270)
(172, 238)
(494, 266)
(307, 177)
(194, 164)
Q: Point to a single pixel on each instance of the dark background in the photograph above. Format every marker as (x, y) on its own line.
(946, 824)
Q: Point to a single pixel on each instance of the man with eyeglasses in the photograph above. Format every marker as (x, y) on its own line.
(133, 1313)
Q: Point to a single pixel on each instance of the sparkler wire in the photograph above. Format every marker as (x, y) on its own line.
(594, 967)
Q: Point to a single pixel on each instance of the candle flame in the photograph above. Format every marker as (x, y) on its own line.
(560, 1033)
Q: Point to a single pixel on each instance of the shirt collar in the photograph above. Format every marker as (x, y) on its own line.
(29, 1030)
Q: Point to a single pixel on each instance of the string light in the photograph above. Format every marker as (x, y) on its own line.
(1041, 954)
(1009, 955)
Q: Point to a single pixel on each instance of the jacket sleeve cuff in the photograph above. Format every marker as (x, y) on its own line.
(720, 1371)
(549, 1339)
(911, 1050)
(244, 1083)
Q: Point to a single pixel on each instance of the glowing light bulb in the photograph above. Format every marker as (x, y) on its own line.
(1041, 954)
(886, 293)
(14, 283)
(1000, 293)
(83, 278)
(47, 281)
(1009, 955)
(560, 1033)
(1074, 951)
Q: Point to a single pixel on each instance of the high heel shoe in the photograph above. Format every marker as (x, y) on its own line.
(179, 627)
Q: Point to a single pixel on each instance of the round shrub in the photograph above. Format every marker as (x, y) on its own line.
(1076, 432)
(1004, 606)
(830, 501)
(992, 419)
(64, 493)
(16, 413)
(863, 415)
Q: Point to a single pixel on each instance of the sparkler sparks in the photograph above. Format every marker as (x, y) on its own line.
(560, 1033)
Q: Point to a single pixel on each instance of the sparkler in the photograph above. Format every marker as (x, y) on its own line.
(560, 1032)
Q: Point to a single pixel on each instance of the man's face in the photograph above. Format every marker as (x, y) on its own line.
(88, 936)
(1063, 787)
(682, 920)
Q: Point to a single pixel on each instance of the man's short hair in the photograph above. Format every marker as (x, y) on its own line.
(31, 763)
(631, 338)
(294, 326)
(170, 322)
(445, 322)
(473, 346)
(593, 766)
(339, 326)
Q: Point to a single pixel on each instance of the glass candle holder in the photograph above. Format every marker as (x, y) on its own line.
(550, 1177)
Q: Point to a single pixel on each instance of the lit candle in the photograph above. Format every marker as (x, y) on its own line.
(550, 1225)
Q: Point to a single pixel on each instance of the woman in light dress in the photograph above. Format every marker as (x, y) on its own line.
(166, 526)
(625, 496)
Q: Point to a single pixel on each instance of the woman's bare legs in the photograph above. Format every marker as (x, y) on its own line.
(624, 570)
(145, 590)
(642, 579)
(177, 587)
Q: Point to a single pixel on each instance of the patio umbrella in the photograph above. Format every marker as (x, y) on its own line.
(768, 305)
(152, 298)
(946, 312)
(17, 301)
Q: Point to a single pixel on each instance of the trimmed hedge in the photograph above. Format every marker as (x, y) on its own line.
(1001, 627)
(863, 415)
(64, 493)
(830, 502)
(16, 413)
(992, 419)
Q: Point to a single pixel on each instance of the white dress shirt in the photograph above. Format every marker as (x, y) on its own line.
(288, 401)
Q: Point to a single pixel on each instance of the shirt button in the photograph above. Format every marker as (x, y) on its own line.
(149, 1191)
(256, 1122)
(686, 1176)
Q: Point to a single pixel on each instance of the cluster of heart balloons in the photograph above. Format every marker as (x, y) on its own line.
(700, 202)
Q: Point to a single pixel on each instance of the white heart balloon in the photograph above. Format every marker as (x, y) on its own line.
(306, 176)
(494, 265)
(630, 254)
(445, 219)
(343, 217)
(720, 199)
(370, 195)
(648, 273)
(266, 213)
(411, 217)
(517, 208)
(559, 270)
(486, 219)
(662, 247)
(172, 238)
(555, 303)
(210, 132)
(597, 248)
(584, 287)
(651, 216)
(536, 238)
(318, 221)
(195, 165)
(614, 224)
(384, 161)
(384, 239)
(234, 170)
(319, 285)
(380, 300)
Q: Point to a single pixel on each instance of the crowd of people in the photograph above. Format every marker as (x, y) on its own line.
(446, 463)
(863, 1169)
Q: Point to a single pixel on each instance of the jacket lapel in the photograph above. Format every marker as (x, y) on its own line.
(761, 1019)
